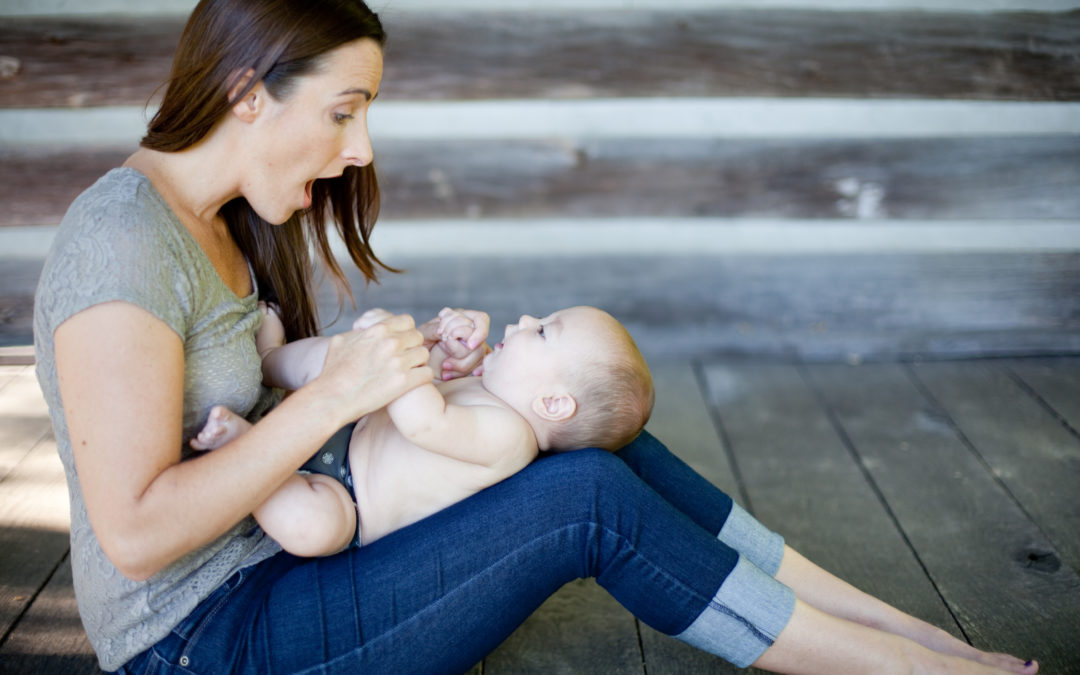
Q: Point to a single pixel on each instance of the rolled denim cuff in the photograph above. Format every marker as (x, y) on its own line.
(754, 541)
(744, 617)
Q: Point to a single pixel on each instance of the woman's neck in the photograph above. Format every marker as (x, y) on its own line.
(193, 182)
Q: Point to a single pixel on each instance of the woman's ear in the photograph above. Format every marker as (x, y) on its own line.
(246, 108)
(555, 408)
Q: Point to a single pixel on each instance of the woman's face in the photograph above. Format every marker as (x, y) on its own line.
(316, 132)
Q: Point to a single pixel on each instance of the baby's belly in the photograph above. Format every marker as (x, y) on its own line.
(397, 483)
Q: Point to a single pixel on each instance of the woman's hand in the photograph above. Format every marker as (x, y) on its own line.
(367, 368)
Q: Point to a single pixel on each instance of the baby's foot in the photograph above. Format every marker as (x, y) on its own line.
(222, 426)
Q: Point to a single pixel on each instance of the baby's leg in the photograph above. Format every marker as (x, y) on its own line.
(222, 426)
(309, 515)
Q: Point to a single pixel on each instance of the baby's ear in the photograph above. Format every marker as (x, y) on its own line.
(555, 408)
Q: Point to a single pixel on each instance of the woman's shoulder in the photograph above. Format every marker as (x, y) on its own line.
(118, 241)
(121, 201)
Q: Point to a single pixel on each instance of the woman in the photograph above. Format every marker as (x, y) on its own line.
(145, 318)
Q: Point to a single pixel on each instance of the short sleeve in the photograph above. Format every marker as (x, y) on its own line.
(115, 245)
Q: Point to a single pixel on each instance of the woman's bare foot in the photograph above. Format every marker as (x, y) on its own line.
(933, 661)
(942, 642)
(222, 426)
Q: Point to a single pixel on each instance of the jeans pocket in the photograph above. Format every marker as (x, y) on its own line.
(191, 625)
(159, 664)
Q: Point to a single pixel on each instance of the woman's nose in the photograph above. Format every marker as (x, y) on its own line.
(358, 151)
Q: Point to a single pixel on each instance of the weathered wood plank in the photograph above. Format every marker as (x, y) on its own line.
(580, 629)
(913, 179)
(36, 187)
(34, 522)
(8, 374)
(804, 483)
(24, 421)
(973, 539)
(997, 178)
(681, 420)
(819, 306)
(1056, 381)
(50, 637)
(456, 55)
(1028, 450)
(733, 53)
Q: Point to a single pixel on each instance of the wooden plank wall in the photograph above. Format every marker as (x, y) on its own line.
(910, 189)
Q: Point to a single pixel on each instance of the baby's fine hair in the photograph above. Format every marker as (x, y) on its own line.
(615, 398)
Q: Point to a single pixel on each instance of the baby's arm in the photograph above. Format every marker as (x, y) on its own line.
(287, 366)
(485, 434)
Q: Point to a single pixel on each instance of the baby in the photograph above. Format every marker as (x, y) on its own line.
(571, 380)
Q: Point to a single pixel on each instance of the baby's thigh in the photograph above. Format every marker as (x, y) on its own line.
(309, 515)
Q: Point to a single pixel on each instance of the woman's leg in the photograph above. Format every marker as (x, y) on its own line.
(439, 595)
(714, 511)
(835, 596)
(701, 501)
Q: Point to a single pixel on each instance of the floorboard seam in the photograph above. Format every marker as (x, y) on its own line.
(845, 439)
(725, 440)
(33, 598)
(989, 468)
(1046, 405)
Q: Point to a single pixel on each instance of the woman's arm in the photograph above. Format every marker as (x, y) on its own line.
(121, 375)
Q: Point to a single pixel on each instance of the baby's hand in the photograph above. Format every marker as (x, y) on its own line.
(454, 329)
(370, 318)
(461, 334)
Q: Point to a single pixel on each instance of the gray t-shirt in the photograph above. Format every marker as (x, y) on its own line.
(119, 241)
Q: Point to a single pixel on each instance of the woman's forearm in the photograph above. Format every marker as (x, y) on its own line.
(191, 503)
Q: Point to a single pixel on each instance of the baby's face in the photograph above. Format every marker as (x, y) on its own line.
(539, 354)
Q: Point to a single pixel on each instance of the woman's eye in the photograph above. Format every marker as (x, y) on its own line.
(341, 118)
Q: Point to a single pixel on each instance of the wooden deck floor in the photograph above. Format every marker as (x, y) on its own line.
(947, 488)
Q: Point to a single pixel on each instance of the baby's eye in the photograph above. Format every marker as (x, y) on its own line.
(540, 331)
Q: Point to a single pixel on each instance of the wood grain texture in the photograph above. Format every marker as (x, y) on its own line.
(50, 638)
(22, 425)
(579, 629)
(461, 55)
(974, 540)
(1055, 381)
(913, 179)
(1026, 448)
(1025, 178)
(804, 483)
(820, 307)
(34, 523)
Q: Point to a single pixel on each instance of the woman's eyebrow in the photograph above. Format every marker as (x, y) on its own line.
(358, 90)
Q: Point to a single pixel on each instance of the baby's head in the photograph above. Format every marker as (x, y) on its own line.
(576, 376)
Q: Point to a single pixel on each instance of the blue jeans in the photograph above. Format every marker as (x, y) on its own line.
(439, 595)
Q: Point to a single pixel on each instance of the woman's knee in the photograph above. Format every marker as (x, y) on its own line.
(587, 474)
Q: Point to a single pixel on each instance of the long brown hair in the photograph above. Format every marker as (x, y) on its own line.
(280, 40)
